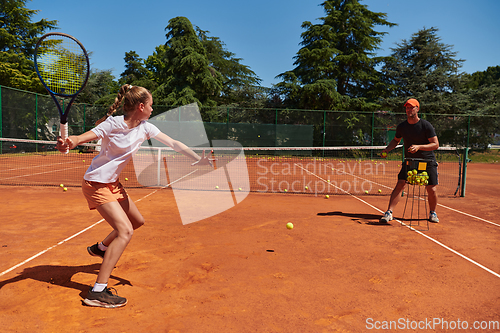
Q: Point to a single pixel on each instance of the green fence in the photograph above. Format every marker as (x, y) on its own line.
(26, 115)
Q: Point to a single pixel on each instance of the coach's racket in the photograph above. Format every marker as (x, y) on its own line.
(62, 64)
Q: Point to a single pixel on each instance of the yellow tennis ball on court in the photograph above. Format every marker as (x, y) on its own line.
(286, 190)
(61, 185)
(217, 186)
(83, 161)
(327, 196)
(379, 191)
(384, 154)
(366, 192)
(65, 189)
(240, 189)
(126, 178)
(289, 225)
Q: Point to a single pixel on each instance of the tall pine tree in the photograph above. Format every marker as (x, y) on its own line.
(186, 75)
(425, 68)
(240, 85)
(337, 57)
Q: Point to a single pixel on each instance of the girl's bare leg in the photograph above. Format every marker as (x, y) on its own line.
(134, 216)
(114, 214)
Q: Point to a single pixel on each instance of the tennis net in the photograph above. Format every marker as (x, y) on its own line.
(293, 170)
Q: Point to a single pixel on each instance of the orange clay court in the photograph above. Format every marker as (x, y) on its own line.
(337, 270)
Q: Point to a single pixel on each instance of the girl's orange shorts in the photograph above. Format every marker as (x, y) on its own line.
(98, 194)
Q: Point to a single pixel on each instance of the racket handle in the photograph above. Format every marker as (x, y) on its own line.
(64, 134)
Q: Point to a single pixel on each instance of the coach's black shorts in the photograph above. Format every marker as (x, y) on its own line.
(431, 168)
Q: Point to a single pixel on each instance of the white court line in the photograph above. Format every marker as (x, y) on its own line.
(38, 173)
(36, 166)
(467, 214)
(50, 248)
(84, 230)
(413, 229)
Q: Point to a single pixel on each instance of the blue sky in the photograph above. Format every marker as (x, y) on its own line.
(266, 33)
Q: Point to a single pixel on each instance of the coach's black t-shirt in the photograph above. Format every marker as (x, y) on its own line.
(416, 134)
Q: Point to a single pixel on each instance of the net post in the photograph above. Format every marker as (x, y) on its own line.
(464, 171)
(158, 174)
(466, 159)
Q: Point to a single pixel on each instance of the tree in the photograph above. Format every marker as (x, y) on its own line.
(16, 71)
(155, 64)
(100, 85)
(240, 85)
(134, 68)
(18, 37)
(339, 53)
(425, 68)
(486, 78)
(186, 75)
(480, 98)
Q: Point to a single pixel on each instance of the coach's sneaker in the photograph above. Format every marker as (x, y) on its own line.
(104, 299)
(95, 251)
(433, 217)
(387, 217)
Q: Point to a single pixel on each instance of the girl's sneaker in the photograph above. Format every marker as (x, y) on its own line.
(387, 217)
(95, 251)
(104, 299)
(433, 217)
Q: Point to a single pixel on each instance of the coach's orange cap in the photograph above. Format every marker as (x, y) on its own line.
(412, 102)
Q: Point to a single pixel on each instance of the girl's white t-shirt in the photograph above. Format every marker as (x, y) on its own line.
(119, 144)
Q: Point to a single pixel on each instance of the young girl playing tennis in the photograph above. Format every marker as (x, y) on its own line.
(121, 137)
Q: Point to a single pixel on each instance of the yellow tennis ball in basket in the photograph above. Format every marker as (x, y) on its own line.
(289, 225)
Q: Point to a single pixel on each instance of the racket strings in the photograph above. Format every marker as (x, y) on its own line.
(62, 64)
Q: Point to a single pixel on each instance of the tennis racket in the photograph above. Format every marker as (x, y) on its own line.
(62, 64)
